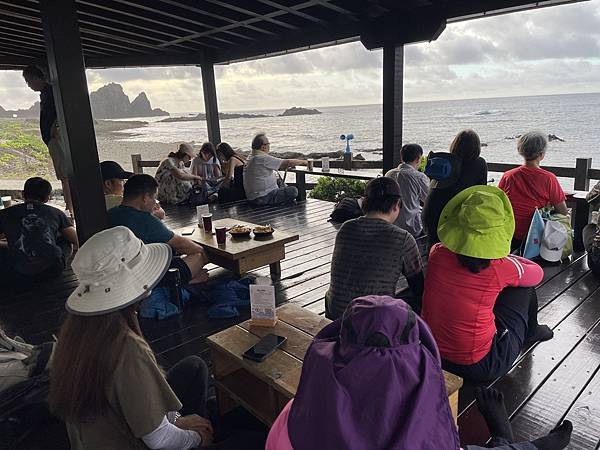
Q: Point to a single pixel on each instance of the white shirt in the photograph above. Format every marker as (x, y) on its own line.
(414, 187)
(259, 175)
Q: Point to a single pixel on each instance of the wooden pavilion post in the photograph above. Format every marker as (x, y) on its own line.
(209, 89)
(393, 81)
(67, 74)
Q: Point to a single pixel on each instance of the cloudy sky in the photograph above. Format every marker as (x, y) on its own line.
(547, 51)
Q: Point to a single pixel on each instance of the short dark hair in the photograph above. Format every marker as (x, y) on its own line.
(140, 185)
(258, 141)
(411, 152)
(381, 195)
(466, 145)
(37, 188)
(33, 71)
(472, 264)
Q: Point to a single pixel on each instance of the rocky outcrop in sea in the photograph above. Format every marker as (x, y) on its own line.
(294, 111)
(110, 102)
(222, 116)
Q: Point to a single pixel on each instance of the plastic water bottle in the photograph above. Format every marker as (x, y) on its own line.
(174, 283)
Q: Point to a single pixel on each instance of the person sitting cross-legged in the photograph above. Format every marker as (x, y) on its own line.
(414, 186)
(372, 380)
(135, 212)
(479, 300)
(371, 253)
(260, 179)
(40, 237)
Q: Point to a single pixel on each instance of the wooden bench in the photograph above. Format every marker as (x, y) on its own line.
(265, 388)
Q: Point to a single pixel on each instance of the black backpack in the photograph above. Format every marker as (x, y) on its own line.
(346, 209)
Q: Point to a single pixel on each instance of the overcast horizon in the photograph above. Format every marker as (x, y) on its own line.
(546, 51)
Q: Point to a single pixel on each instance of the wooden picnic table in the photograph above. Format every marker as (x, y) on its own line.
(265, 388)
(240, 255)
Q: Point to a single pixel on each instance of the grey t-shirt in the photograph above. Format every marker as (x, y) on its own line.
(259, 175)
(369, 257)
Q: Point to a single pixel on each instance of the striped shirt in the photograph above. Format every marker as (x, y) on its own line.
(369, 257)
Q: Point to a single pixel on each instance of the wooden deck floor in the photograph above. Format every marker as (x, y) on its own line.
(549, 382)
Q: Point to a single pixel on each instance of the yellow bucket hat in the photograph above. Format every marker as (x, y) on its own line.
(478, 222)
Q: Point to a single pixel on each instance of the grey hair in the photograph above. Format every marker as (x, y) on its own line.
(532, 144)
(258, 141)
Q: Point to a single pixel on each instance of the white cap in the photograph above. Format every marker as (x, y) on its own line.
(115, 269)
(553, 241)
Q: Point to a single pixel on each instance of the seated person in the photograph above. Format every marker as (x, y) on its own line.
(232, 164)
(529, 186)
(135, 212)
(113, 180)
(467, 147)
(105, 382)
(371, 253)
(479, 301)
(207, 166)
(40, 237)
(260, 178)
(174, 181)
(372, 380)
(414, 187)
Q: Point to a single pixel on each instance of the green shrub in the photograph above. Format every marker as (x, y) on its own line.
(334, 189)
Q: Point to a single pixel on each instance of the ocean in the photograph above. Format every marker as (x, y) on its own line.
(575, 118)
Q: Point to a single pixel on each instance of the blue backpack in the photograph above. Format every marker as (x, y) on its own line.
(444, 168)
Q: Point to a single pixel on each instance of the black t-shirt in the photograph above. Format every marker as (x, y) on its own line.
(47, 113)
(32, 230)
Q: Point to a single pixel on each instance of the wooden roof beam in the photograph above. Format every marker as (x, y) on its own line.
(257, 17)
(296, 10)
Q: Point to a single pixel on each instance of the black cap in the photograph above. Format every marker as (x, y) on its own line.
(112, 169)
(382, 187)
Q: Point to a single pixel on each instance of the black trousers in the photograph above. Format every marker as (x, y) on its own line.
(189, 380)
(593, 257)
(516, 318)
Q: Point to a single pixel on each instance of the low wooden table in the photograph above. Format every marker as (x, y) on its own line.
(265, 388)
(240, 255)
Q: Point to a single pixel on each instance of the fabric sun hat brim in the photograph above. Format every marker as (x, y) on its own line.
(551, 255)
(488, 240)
(125, 287)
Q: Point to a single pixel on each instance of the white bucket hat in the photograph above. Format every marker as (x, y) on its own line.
(115, 269)
(553, 241)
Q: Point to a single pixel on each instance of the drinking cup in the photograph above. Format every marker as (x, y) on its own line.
(325, 164)
(309, 165)
(207, 222)
(221, 235)
(200, 211)
(7, 201)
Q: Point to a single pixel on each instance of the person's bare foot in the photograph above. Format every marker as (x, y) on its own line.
(490, 403)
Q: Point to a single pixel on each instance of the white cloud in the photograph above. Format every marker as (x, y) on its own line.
(551, 50)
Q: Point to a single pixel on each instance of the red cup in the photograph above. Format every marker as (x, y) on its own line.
(221, 235)
(207, 222)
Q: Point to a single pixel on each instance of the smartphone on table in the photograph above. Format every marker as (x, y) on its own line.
(263, 348)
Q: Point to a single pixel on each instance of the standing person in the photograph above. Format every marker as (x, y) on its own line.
(135, 213)
(530, 187)
(260, 178)
(113, 182)
(232, 163)
(371, 254)
(479, 300)
(414, 188)
(40, 237)
(36, 80)
(466, 146)
(175, 183)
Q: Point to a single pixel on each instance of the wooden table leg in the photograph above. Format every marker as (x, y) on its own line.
(582, 218)
(275, 270)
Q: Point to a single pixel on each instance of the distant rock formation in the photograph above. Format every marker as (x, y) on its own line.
(110, 102)
(32, 113)
(222, 116)
(294, 111)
